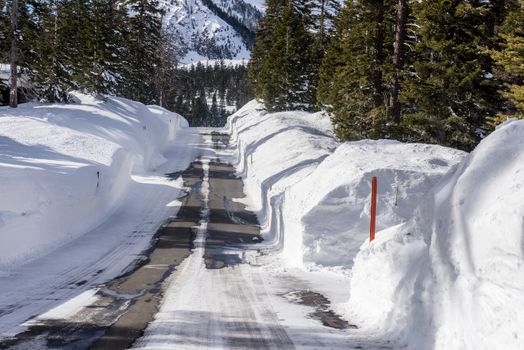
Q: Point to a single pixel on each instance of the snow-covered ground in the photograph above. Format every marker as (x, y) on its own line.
(58, 228)
(64, 169)
(453, 276)
(446, 269)
(312, 193)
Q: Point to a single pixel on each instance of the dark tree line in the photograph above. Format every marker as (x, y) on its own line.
(436, 71)
(95, 46)
(111, 47)
(207, 94)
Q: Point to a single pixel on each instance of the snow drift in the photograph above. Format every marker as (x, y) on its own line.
(312, 193)
(49, 159)
(453, 276)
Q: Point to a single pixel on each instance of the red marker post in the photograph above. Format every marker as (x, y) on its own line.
(373, 208)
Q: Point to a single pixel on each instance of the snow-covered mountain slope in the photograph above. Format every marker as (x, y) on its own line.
(212, 29)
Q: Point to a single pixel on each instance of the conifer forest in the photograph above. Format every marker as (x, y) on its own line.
(437, 71)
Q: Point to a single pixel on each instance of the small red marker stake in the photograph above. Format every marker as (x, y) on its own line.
(373, 208)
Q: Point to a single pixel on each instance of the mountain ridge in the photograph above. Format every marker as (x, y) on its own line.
(212, 29)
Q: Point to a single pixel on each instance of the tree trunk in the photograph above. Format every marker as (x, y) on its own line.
(13, 56)
(322, 20)
(398, 58)
(379, 55)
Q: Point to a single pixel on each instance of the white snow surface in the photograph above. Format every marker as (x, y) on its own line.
(97, 233)
(49, 159)
(312, 193)
(453, 276)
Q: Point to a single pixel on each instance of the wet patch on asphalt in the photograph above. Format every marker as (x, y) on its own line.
(231, 227)
(322, 312)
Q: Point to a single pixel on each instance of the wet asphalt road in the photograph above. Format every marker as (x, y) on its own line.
(126, 305)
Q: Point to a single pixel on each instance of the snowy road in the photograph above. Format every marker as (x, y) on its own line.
(230, 293)
(98, 256)
(226, 295)
(215, 301)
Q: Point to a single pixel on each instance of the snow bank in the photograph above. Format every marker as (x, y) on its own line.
(453, 276)
(317, 191)
(49, 159)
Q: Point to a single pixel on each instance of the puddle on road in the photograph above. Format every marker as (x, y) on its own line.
(322, 311)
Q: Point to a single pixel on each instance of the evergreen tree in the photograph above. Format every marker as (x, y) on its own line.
(51, 49)
(103, 47)
(399, 55)
(285, 74)
(165, 71)
(214, 112)
(448, 91)
(511, 60)
(356, 68)
(323, 13)
(4, 48)
(265, 39)
(141, 60)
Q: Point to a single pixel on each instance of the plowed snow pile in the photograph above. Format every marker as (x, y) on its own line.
(49, 159)
(453, 276)
(312, 193)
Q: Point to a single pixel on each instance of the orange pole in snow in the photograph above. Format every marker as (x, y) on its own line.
(373, 208)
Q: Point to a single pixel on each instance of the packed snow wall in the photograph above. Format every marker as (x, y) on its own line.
(453, 276)
(64, 168)
(312, 193)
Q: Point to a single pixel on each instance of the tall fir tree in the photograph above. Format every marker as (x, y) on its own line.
(141, 58)
(449, 92)
(356, 68)
(284, 71)
(103, 46)
(399, 56)
(4, 48)
(511, 61)
(265, 39)
(51, 52)
(165, 72)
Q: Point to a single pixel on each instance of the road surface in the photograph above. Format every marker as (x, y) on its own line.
(199, 284)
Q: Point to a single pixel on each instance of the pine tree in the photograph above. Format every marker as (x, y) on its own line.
(323, 14)
(102, 45)
(448, 91)
(399, 55)
(14, 52)
(265, 38)
(141, 59)
(50, 49)
(4, 48)
(285, 74)
(511, 60)
(356, 68)
(165, 71)
(214, 112)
